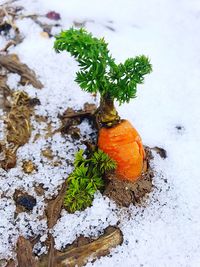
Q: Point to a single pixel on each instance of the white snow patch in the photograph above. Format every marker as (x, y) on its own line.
(90, 222)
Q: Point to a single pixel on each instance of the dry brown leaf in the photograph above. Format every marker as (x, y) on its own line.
(48, 153)
(18, 120)
(4, 92)
(25, 257)
(53, 213)
(8, 158)
(12, 63)
(36, 137)
(18, 128)
(28, 166)
(54, 207)
(11, 263)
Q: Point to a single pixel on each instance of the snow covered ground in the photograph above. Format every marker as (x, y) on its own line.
(166, 113)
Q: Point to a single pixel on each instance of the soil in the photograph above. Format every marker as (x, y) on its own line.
(126, 193)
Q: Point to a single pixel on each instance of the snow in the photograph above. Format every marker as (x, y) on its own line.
(165, 231)
(91, 222)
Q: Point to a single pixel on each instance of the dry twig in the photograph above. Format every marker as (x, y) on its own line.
(79, 256)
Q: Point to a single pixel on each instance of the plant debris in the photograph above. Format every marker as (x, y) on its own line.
(28, 166)
(18, 128)
(25, 257)
(53, 213)
(12, 63)
(54, 207)
(5, 92)
(8, 15)
(84, 249)
(46, 28)
(8, 157)
(78, 256)
(11, 263)
(48, 153)
(71, 118)
(18, 120)
(8, 45)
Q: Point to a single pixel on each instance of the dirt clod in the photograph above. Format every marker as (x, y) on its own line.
(126, 193)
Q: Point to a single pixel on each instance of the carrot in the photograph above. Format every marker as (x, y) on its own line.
(99, 73)
(123, 144)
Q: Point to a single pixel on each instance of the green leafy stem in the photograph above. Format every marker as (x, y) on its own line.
(86, 179)
(98, 70)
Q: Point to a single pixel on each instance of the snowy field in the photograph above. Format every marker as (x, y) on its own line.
(166, 232)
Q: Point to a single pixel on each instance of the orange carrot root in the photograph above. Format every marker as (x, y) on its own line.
(123, 144)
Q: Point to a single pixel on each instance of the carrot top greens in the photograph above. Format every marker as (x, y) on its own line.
(86, 179)
(98, 70)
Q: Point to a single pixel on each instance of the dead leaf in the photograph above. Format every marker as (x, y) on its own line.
(18, 128)
(54, 207)
(7, 157)
(53, 213)
(25, 257)
(36, 137)
(12, 63)
(48, 153)
(28, 166)
(5, 92)
(11, 263)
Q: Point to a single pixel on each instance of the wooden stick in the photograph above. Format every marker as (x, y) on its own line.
(79, 256)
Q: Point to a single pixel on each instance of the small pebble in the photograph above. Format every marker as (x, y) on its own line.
(27, 201)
